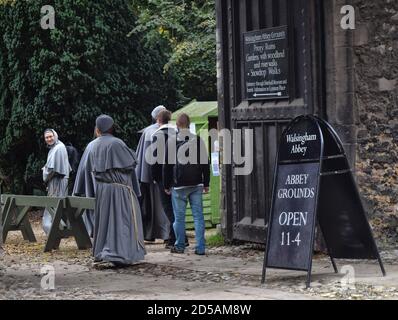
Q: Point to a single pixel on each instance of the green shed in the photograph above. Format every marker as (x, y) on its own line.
(204, 117)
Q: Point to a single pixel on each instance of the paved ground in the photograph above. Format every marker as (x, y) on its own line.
(228, 272)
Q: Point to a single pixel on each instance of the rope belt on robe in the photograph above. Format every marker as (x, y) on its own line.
(132, 195)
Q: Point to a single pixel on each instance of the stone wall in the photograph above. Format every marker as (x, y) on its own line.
(376, 99)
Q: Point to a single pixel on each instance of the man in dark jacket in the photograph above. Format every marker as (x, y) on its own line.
(159, 139)
(186, 176)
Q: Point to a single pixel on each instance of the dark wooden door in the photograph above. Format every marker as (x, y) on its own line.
(245, 200)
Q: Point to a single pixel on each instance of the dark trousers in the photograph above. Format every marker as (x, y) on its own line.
(168, 210)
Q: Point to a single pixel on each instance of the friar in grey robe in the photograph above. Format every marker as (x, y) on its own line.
(156, 223)
(55, 173)
(85, 186)
(118, 233)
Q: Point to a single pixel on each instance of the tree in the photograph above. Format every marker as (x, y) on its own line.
(65, 77)
(185, 29)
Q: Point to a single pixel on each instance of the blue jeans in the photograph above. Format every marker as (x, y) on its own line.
(180, 199)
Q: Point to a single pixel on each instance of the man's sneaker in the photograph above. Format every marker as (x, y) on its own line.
(176, 250)
(200, 253)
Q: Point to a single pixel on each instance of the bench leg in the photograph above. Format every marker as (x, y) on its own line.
(55, 236)
(27, 231)
(7, 215)
(79, 230)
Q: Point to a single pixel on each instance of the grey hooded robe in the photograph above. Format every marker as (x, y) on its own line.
(118, 234)
(156, 223)
(56, 175)
(85, 186)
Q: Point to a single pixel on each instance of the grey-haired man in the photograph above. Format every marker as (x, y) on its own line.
(155, 221)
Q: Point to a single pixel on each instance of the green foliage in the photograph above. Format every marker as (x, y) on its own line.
(185, 29)
(64, 78)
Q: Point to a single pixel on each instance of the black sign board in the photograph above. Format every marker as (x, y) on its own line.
(266, 63)
(313, 183)
(294, 216)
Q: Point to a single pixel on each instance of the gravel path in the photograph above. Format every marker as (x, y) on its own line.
(227, 272)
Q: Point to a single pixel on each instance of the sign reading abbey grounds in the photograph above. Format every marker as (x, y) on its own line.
(313, 183)
(294, 216)
(266, 63)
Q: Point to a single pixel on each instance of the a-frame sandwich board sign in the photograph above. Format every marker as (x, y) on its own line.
(314, 183)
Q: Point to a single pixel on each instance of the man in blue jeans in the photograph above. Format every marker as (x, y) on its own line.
(186, 176)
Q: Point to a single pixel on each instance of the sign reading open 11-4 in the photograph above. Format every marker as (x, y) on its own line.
(313, 184)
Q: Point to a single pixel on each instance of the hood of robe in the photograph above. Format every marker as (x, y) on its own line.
(109, 152)
(55, 137)
(57, 158)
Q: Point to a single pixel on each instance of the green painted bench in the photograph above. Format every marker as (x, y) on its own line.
(15, 210)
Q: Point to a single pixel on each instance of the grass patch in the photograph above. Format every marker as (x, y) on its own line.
(215, 240)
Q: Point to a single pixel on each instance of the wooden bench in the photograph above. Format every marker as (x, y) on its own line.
(15, 210)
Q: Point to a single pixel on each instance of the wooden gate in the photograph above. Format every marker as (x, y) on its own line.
(245, 200)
